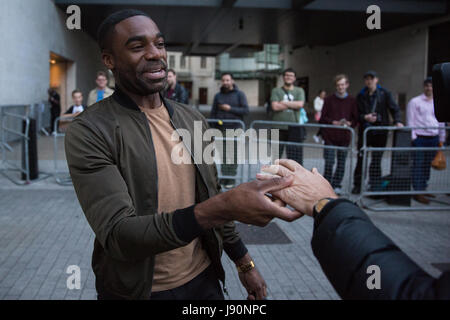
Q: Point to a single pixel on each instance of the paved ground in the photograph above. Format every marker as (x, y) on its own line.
(43, 231)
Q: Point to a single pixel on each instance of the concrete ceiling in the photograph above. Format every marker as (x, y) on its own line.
(211, 27)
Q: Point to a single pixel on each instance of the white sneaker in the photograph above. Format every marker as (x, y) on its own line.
(316, 138)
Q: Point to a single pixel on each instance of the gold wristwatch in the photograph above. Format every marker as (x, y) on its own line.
(246, 267)
(320, 205)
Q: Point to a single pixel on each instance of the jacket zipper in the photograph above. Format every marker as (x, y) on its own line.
(147, 126)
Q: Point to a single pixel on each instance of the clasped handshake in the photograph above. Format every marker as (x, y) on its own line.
(257, 202)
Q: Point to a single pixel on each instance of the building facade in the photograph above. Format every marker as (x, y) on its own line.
(39, 51)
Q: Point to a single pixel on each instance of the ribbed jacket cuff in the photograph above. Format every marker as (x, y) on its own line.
(235, 250)
(185, 224)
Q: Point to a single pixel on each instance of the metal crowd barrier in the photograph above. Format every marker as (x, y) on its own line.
(15, 142)
(334, 162)
(230, 173)
(41, 112)
(403, 172)
(61, 170)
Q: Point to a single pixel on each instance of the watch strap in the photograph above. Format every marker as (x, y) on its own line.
(246, 267)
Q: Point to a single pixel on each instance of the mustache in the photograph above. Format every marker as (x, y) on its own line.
(152, 65)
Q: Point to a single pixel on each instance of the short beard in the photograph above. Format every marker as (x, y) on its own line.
(141, 87)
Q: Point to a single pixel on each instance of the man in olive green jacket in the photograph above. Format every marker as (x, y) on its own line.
(113, 164)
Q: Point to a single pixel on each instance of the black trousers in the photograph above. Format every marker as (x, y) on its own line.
(205, 286)
(54, 113)
(378, 140)
(330, 154)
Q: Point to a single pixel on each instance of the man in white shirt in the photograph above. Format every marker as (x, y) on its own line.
(420, 113)
(77, 107)
(318, 105)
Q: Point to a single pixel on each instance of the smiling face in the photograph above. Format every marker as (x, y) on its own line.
(77, 98)
(101, 82)
(289, 78)
(342, 86)
(137, 56)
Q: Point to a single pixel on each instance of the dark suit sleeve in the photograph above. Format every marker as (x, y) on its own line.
(346, 243)
(394, 109)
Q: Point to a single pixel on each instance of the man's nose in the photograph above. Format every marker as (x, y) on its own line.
(152, 52)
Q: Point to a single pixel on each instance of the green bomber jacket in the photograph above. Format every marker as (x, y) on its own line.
(112, 163)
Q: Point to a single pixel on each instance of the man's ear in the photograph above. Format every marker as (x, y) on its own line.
(108, 59)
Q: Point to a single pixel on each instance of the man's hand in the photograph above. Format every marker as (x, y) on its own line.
(247, 203)
(399, 125)
(252, 281)
(371, 117)
(225, 107)
(308, 186)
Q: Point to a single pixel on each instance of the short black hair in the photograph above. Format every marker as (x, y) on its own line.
(106, 28)
(226, 74)
(173, 71)
(76, 91)
(428, 80)
(289, 70)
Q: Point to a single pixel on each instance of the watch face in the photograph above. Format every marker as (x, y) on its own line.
(321, 204)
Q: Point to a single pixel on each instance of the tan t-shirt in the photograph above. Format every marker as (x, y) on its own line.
(176, 190)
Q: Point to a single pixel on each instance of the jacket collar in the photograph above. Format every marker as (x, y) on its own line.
(125, 101)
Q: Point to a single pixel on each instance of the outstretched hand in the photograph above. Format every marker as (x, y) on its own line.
(247, 203)
(307, 188)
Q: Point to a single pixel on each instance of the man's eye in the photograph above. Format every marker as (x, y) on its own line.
(137, 47)
(161, 44)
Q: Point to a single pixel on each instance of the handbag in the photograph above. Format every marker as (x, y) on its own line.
(439, 162)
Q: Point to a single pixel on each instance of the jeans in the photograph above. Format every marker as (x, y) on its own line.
(329, 155)
(422, 161)
(54, 113)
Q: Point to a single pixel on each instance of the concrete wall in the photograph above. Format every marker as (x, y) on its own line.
(30, 30)
(251, 90)
(398, 56)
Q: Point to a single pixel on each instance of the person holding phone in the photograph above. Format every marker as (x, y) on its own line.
(374, 105)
